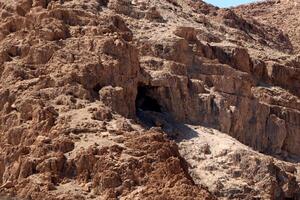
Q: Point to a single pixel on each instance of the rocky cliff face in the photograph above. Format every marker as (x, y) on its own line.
(83, 82)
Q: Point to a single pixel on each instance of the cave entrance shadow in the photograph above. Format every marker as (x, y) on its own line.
(175, 131)
(145, 102)
(151, 113)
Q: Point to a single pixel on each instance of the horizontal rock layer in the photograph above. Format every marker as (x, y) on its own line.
(74, 75)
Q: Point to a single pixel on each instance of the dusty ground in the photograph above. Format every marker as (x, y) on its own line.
(228, 168)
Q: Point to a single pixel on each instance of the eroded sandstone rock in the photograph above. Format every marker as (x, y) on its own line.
(76, 75)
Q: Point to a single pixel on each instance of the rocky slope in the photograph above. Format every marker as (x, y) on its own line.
(95, 96)
(283, 14)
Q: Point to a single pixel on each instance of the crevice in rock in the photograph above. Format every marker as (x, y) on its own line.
(46, 3)
(12, 28)
(103, 2)
(14, 51)
(95, 91)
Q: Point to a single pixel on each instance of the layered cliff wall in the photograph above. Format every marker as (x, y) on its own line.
(75, 76)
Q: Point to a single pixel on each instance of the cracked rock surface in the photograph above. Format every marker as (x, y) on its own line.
(138, 99)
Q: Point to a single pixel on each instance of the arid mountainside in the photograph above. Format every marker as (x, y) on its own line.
(138, 99)
(282, 14)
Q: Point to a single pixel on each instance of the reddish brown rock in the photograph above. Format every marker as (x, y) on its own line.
(80, 82)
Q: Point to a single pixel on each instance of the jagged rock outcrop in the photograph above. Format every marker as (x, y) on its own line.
(77, 76)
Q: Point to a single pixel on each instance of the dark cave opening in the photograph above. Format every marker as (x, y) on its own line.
(152, 112)
(144, 101)
(103, 2)
(95, 91)
(148, 109)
